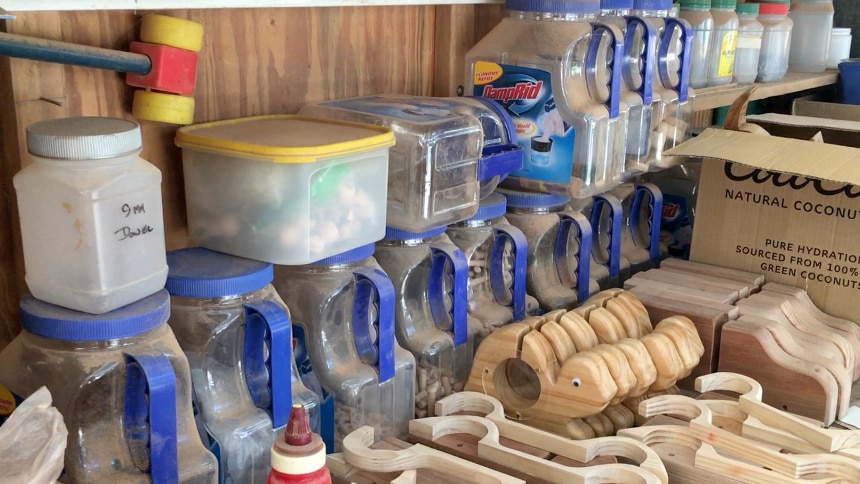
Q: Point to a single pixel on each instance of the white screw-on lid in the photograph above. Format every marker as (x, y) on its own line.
(841, 31)
(83, 138)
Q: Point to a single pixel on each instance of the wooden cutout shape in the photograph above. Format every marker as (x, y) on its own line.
(601, 425)
(744, 290)
(344, 473)
(748, 278)
(620, 416)
(671, 291)
(561, 343)
(619, 368)
(635, 306)
(800, 299)
(629, 321)
(357, 452)
(666, 359)
(683, 334)
(687, 281)
(601, 297)
(799, 386)
(582, 451)
(640, 363)
(606, 326)
(580, 332)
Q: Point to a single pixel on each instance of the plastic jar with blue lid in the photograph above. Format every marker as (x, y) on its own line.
(342, 308)
(235, 331)
(121, 382)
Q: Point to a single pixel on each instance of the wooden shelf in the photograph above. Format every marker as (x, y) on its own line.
(715, 97)
(15, 6)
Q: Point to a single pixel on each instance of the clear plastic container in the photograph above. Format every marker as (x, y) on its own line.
(431, 283)
(224, 312)
(90, 213)
(698, 14)
(749, 43)
(775, 41)
(724, 46)
(840, 47)
(607, 262)
(497, 253)
(810, 38)
(558, 239)
(449, 153)
(642, 205)
(543, 63)
(285, 189)
(639, 64)
(671, 108)
(345, 307)
(122, 384)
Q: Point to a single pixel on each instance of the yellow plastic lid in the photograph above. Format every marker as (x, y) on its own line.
(284, 138)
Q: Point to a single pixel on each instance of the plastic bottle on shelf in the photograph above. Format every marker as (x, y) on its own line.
(497, 254)
(671, 108)
(123, 386)
(749, 43)
(344, 305)
(559, 242)
(724, 45)
(775, 41)
(90, 213)
(298, 456)
(698, 13)
(431, 283)
(810, 38)
(544, 64)
(639, 63)
(224, 311)
(840, 47)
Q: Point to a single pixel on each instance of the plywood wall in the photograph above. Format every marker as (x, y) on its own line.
(254, 61)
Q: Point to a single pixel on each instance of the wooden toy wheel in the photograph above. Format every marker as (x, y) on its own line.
(163, 108)
(172, 31)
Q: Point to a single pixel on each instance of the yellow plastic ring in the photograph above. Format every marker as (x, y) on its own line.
(163, 108)
(172, 31)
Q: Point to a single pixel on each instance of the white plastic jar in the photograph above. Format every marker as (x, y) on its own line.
(775, 41)
(749, 43)
(721, 66)
(810, 40)
(91, 217)
(840, 47)
(697, 12)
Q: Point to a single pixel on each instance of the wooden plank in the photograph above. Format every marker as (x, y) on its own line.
(715, 97)
(455, 35)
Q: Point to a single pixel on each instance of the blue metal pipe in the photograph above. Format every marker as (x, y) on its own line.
(24, 47)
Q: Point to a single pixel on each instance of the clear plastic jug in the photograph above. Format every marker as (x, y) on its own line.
(447, 152)
(638, 65)
(90, 213)
(775, 41)
(724, 46)
(345, 307)
(543, 63)
(235, 331)
(431, 283)
(749, 43)
(810, 37)
(559, 248)
(698, 14)
(642, 205)
(497, 253)
(123, 386)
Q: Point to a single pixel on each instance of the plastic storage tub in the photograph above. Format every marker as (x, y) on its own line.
(448, 151)
(285, 189)
(840, 47)
(849, 81)
(223, 311)
(90, 213)
(123, 386)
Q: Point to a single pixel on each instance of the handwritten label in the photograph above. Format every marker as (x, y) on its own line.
(129, 232)
(128, 209)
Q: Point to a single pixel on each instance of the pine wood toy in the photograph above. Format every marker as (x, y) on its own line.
(800, 303)
(359, 453)
(668, 289)
(787, 465)
(750, 279)
(690, 281)
(164, 64)
(579, 451)
(491, 450)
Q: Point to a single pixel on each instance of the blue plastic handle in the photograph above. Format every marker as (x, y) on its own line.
(268, 378)
(615, 213)
(647, 193)
(686, 33)
(447, 262)
(583, 258)
(598, 30)
(646, 58)
(374, 287)
(519, 249)
(150, 416)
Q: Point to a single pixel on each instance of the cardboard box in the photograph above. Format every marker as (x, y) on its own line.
(833, 131)
(785, 208)
(818, 109)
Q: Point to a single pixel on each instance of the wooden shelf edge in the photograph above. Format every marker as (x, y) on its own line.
(715, 97)
(19, 6)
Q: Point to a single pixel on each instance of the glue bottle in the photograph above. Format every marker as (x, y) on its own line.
(298, 457)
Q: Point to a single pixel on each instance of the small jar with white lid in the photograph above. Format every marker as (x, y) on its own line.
(749, 43)
(724, 47)
(91, 215)
(840, 47)
(775, 41)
